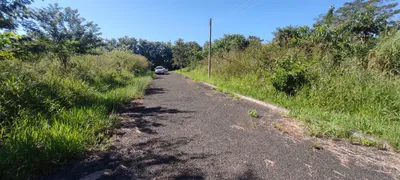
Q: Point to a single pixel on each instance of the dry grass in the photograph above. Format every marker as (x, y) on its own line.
(291, 127)
(280, 127)
(380, 161)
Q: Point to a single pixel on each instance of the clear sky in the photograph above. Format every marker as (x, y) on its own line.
(168, 20)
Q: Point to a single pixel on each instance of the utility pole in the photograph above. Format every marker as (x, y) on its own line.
(209, 51)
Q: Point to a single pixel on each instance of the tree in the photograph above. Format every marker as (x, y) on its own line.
(64, 32)
(363, 19)
(11, 11)
(292, 36)
(28, 49)
(354, 28)
(6, 39)
(127, 43)
(186, 53)
(158, 53)
(166, 55)
(179, 53)
(110, 44)
(254, 40)
(230, 42)
(194, 52)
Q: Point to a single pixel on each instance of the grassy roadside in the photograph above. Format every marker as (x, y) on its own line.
(320, 122)
(49, 116)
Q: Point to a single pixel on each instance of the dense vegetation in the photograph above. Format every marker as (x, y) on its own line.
(340, 75)
(49, 116)
(171, 56)
(61, 82)
(59, 87)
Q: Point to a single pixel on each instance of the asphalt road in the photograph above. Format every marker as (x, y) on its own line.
(184, 130)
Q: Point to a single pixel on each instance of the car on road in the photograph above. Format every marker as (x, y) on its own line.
(160, 70)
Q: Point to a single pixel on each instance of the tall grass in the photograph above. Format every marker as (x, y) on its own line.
(333, 100)
(50, 115)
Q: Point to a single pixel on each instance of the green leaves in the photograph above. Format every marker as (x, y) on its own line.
(64, 32)
(290, 73)
(11, 10)
(186, 53)
(363, 19)
(385, 56)
(6, 40)
(48, 117)
(231, 42)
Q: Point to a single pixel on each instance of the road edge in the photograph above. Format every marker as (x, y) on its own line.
(384, 145)
(250, 99)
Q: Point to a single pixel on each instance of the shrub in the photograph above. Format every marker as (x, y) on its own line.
(290, 74)
(48, 116)
(332, 97)
(386, 55)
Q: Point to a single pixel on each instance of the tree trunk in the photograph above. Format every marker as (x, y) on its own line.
(64, 61)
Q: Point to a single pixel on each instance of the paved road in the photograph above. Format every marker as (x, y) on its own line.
(185, 130)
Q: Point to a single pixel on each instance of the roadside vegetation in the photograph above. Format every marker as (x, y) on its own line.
(49, 116)
(340, 75)
(61, 82)
(59, 87)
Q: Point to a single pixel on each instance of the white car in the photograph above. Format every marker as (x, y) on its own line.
(160, 70)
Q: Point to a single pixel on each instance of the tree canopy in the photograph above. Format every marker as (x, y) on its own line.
(63, 31)
(364, 19)
(11, 11)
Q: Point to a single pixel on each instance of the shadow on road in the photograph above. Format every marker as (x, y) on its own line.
(163, 158)
(155, 158)
(248, 174)
(149, 154)
(137, 116)
(151, 91)
(139, 110)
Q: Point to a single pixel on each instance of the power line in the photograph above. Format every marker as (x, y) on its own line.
(249, 7)
(234, 8)
(243, 8)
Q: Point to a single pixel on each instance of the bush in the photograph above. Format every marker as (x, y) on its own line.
(290, 74)
(386, 56)
(49, 115)
(333, 98)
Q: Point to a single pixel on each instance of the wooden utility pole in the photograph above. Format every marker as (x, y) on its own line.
(209, 51)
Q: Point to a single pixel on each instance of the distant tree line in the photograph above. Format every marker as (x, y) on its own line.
(62, 32)
(352, 29)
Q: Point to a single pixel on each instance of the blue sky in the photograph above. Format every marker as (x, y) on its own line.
(168, 20)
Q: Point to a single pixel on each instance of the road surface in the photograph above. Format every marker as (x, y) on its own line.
(182, 129)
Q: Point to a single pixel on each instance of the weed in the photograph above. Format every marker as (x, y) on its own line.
(342, 90)
(253, 113)
(220, 89)
(49, 117)
(233, 95)
(365, 142)
(280, 127)
(315, 146)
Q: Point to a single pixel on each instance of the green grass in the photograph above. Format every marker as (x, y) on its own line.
(366, 102)
(253, 113)
(49, 116)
